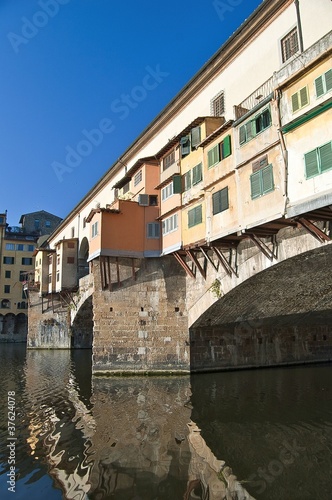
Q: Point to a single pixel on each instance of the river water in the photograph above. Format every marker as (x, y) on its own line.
(83, 437)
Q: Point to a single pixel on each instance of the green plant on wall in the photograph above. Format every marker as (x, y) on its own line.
(216, 288)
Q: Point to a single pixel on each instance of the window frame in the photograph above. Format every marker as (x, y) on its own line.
(94, 229)
(154, 234)
(170, 224)
(217, 104)
(250, 127)
(138, 177)
(323, 78)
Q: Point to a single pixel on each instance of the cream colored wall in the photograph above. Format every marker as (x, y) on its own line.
(299, 141)
(307, 80)
(267, 207)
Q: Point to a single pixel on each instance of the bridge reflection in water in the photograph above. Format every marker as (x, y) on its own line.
(155, 438)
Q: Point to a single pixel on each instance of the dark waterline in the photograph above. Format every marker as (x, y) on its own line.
(94, 438)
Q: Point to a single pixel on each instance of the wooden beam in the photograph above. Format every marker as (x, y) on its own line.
(262, 246)
(224, 262)
(193, 257)
(313, 230)
(184, 264)
(207, 256)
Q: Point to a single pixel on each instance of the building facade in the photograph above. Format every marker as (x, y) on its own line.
(17, 265)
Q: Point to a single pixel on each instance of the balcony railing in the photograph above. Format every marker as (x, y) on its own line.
(253, 99)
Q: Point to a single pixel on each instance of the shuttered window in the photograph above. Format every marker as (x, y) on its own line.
(185, 146)
(195, 216)
(213, 156)
(323, 83)
(187, 180)
(220, 201)
(318, 161)
(167, 191)
(195, 137)
(153, 230)
(226, 147)
(177, 184)
(261, 182)
(300, 99)
(255, 126)
(197, 174)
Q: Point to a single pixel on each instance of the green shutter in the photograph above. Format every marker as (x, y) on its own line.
(319, 86)
(185, 146)
(198, 214)
(255, 183)
(304, 98)
(195, 216)
(195, 137)
(177, 184)
(213, 156)
(295, 102)
(249, 130)
(325, 153)
(227, 147)
(267, 179)
(328, 80)
(197, 174)
(242, 134)
(187, 180)
(220, 201)
(311, 163)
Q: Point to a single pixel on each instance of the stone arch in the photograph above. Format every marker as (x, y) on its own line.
(9, 324)
(83, 254)
(21, 325)
(280, 315)
(82, 326)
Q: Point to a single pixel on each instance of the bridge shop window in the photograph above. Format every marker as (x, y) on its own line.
(153, 230)
(195, 216)
(220, 201)
(300, 99)
(318, 160)
(169, 160)
(138, 178)
(220, 151)
(94, 229)
(255, 126)
(170, 224)
(261, 182)
(167, 191)
(323, 83)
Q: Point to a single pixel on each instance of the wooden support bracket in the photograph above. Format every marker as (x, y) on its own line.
(193, 257)
(262, 246)
(313, 230)
(208, 258)
(224, 262)
(184, 264)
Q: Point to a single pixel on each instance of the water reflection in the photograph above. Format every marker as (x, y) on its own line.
(148, 438)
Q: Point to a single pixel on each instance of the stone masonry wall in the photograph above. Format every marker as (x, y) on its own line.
(49, 329)
(141, 325)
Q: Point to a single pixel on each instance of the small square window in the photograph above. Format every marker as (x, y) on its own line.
(289, 45)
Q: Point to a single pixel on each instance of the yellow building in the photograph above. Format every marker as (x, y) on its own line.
(17, 269)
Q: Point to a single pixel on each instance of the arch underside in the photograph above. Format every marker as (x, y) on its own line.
(279, 316)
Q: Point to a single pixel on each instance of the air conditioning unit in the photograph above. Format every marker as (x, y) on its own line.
(143, 200)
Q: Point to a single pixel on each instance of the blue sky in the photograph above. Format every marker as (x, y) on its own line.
(66, 69)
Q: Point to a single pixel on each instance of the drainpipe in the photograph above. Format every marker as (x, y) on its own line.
(283, 145)
(299, 25)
